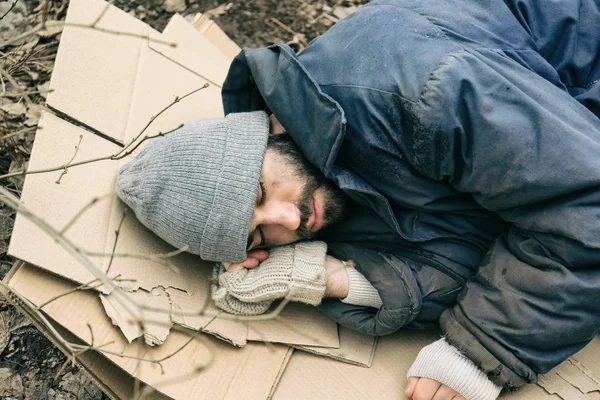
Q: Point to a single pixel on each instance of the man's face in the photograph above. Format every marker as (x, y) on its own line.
(294, 202)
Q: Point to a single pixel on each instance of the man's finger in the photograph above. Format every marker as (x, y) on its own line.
(259, 254)
(410, 387)
(446, 393)
(425, 389)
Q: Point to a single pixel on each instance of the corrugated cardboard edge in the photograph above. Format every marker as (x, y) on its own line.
(353, 346)
(94, 363)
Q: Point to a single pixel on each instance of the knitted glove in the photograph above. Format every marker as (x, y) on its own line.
(296, 272)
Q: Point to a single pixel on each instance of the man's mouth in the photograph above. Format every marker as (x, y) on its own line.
(314, 221)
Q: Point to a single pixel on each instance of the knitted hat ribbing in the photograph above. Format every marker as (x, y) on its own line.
(197, 185)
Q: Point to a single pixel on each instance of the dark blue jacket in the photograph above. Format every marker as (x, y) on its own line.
(468, 134)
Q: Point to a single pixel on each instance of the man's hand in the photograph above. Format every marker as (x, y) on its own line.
(428, 389)
(254, 258)
(276, 127)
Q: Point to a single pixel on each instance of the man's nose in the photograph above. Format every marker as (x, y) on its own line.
(282, 213)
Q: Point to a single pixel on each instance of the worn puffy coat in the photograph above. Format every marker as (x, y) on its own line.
(468, 135)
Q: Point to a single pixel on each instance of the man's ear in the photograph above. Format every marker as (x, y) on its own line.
(276, 127)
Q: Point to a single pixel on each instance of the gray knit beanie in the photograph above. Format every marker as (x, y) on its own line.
(197, 185)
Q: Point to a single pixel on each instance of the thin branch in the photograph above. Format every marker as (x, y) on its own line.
(10, 9)
(45, 12)
(175, 101)
(11, 80)
(117, 232)
(82, 211)
(289, 30)
(85, 286)
(66, 166)
(22, 94)
(52, 24)
(17, 133)
(124, 152)
(99, 17)
(11, 201)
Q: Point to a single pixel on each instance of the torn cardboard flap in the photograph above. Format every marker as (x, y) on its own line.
(257, 366)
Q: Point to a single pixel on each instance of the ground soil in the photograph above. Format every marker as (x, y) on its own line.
(30, 366)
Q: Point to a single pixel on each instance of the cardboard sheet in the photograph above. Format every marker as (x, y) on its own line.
(355, 348)
(309, 376)
(158, 79)
(234, 373)
(215, 34)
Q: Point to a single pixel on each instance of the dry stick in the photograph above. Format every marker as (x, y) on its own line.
(82, 211)
(73, 347)
(22, 94)
(51, 24)
(17, 133)
(45, 13)
(10, 200)
(71, 160)
(10, 9)
(99, 17)
(117, 232)
(10, 80)
(289, 30)
(85, 286)
(175, 101)
(124, 152)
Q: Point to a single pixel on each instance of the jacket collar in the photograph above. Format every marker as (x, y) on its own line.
(274, 78)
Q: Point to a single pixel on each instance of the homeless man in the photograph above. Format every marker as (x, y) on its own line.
(465, 139)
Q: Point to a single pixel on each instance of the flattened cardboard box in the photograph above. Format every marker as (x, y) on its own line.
(130, 80)
(229, 372)
(89, 86)
(306, 375)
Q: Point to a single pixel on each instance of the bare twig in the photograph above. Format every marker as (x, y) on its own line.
(10, 8)
(52, 24)
(117, 232)
(289, 30)
(66, 166)
(85, 286)
(99, 17)
(175, 101)
(82, 211)
(11, 201)
(17, 133)
(124, 152)
(11, 80)
(22, 94)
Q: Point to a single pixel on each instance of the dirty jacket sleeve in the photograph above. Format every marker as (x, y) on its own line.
(529, 152)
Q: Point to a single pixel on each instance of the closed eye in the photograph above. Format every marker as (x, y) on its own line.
(263, 194)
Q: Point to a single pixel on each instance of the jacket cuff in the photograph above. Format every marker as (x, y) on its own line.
(444, 363)
(360, 291)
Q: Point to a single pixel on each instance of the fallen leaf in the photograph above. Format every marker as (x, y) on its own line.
(14, 108)
(12, 385)
(33, 114)
(50, 31)
(44, 89)
(174, 5)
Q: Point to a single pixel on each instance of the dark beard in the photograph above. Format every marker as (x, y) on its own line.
(334, 207)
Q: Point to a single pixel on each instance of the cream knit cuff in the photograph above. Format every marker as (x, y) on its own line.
(360, 291)
(444, 363)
